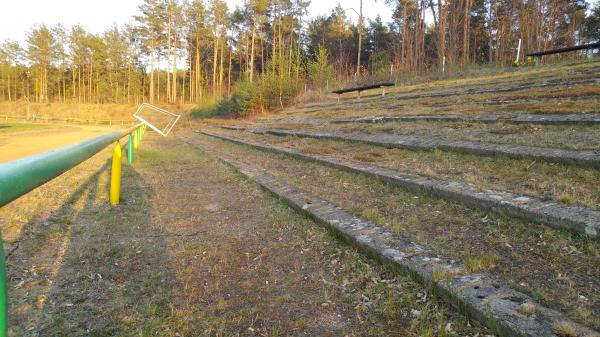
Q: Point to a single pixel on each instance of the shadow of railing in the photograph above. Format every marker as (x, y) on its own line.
(85, 268)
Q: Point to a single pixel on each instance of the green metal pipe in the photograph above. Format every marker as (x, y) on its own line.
(3, 293)
(21, 176)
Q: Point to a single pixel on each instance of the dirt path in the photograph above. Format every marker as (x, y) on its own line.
(25, 142)
(195, 249)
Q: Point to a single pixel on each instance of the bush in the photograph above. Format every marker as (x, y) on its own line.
(320, 71)
(272, 90)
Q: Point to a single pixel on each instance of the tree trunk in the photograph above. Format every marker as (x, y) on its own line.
(442, 12)
(174, 90)
(221, 72)
(215, 56)
(466, 31)
(170, 97)
(151, 93)
(229, 77)
(252, 53)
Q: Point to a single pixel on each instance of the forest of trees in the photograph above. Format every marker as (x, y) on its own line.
(188, 51)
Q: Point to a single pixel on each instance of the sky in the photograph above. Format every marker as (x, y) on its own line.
(17, 17)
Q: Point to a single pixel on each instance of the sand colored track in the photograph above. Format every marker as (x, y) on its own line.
(18, 142)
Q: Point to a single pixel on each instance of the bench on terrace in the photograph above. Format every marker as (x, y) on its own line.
(589, 47)
(360, 88)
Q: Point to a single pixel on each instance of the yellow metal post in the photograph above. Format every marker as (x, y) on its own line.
(115, 175)
(136, 139)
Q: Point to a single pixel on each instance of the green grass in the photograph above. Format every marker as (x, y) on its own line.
(481, 262)
(8, 128)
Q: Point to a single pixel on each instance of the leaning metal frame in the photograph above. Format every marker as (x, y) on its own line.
(169, 126)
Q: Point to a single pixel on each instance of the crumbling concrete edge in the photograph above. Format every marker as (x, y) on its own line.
(522, 118)
(478, 295)
(564, 217)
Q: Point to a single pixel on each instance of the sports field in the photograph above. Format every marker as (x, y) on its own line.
(18, 140)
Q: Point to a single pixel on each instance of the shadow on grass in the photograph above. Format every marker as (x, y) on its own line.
(89, 268)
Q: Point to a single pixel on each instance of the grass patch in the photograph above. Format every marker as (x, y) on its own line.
(565, 183)
(527, 309)
(481, 262)
(8, 128)
(528, 256)
(566, 329)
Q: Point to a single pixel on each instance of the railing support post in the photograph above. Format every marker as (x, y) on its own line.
(130, 149)
(3, 293)
(136, 139)
(115, 175)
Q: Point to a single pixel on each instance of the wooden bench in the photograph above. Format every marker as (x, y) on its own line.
(538, 54)
(358, 89)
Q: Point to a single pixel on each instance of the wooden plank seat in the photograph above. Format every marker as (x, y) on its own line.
(360, 88)
(589, 47)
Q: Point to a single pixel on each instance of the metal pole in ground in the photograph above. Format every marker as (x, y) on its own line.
(3, 294)
(130, 149)
(115, 175)
(136, 139)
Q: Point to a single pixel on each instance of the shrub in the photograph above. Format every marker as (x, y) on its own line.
(276, 88)
(320, 71)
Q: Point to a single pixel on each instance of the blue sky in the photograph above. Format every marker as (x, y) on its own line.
(17, 17)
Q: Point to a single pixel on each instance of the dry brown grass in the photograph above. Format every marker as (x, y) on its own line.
(193, 249)
(554, 267)
(461, 96)
(575, 137)
(565, 183)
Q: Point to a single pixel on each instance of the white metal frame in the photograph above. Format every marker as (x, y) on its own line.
(169, 126)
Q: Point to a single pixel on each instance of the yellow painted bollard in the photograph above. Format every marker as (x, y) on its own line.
(115, 176)
(136, 139)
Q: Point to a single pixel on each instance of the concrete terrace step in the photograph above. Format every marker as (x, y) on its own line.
(577, 118)
(573, 218)
(521, 118)
(483, 297)
(411, 118)
(581, 118)
(397, 96)
(563, 156)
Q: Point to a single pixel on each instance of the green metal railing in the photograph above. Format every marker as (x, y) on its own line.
(21, 176)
